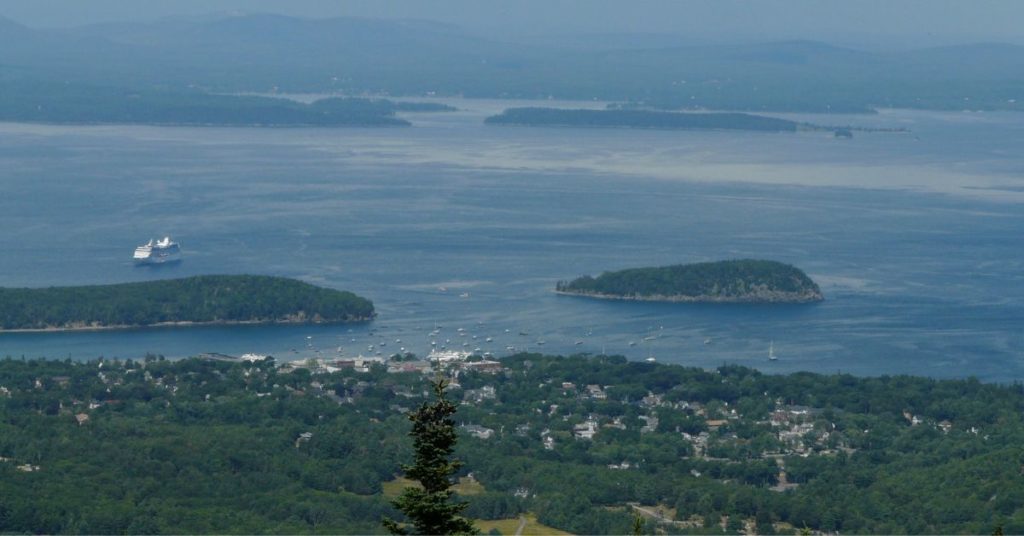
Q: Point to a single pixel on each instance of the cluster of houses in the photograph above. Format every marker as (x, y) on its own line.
(477, 431)
(25, 467)
(452, 360)
(944, 425)
(799, 430)
(795, 427)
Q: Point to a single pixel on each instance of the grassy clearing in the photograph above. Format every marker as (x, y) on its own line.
(509, 526)
(465, 487)
(506, 526)
(469, 487)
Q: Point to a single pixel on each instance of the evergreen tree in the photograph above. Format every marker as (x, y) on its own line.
(638, 525)
(429, 507)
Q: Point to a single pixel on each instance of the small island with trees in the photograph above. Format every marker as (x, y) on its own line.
(211, 299)
(548, 117)
(731, 281)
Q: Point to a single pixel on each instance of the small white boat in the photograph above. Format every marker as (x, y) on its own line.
(771, 351)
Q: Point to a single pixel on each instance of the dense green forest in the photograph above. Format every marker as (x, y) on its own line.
(640, 119)
(77, 103)
(745, 280)
(212, 298)
(198, 446)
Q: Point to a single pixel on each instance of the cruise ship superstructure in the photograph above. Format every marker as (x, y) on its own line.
(158, 252)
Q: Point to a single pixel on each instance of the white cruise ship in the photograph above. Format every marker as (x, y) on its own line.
(158, 252)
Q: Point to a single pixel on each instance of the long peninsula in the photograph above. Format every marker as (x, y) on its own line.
(732, 281)
(212, 299)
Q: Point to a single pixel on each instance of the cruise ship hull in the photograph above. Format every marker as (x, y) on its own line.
(158, 259)
(157, 252)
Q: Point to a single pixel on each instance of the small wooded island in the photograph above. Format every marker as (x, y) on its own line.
(641, 119)
(733, 281)
(210, 299)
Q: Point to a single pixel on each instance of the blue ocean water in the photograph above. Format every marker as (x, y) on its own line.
(915, 238)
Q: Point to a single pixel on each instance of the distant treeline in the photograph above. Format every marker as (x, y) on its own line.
(201, 299)
(77, 104)
(640, 119)
(746, 280)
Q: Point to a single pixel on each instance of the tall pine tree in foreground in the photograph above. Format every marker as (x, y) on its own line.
(430, 508)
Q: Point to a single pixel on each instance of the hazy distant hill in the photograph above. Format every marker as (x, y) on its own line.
(258, 52)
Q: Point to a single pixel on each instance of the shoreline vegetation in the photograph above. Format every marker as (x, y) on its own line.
(732, 281)
(661, 120)
(192, 301)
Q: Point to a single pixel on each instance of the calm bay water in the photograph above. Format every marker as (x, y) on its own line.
(916, 238)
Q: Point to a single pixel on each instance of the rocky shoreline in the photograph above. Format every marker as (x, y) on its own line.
(99, 327)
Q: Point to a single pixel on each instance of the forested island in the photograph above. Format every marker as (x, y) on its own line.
(580, 444)
(211, 299)
(78, 104)
(734, 281)
(612, 118)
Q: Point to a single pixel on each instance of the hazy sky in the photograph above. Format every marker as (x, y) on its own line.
(897, 22)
